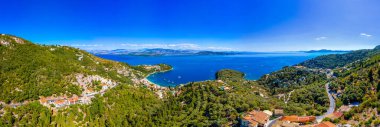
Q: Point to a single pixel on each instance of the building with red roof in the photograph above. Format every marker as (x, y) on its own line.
(255, 118)
(325, 124)
(298, 119)
(335, 115)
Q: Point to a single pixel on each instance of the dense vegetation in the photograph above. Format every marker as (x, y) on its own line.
(229, 75)
(208, 104)
(357, 82)
(289, 78)
(360, 82)
(29, 71)
(312, 97)
(339, 60)
(142, 68)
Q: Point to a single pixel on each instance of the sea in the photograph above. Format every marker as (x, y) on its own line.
(204, 67)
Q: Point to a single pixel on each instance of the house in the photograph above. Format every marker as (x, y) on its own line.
(254, 119)
(284, 124)
(339, 93)
(300, 67)
(298, 119)
(104, 86)
(60, 103)
(43, 100)
(344, 108)
(225, 88)
(268, 112)
(73, 100)
(278, 112)
(325, 124)
(50, 100)
(248, 122)
(335, 115)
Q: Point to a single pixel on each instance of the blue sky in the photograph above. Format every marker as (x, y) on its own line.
(249, 25)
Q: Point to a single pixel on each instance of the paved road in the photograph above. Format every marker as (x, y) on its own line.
(332, 104)
(271, 122)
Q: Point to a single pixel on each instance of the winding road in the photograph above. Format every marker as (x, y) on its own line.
(331, 107)
(319, 118)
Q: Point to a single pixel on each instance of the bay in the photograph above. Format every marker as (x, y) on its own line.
(203, 67)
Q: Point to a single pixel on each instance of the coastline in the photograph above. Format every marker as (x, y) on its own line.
(154, 84)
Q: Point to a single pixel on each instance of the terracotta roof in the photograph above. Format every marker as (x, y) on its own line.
(284, 124)
(326, 124)
(306, 119)
(43, 100)
(294, 118)
(335, 115)
(258, 116)
(59, 102)
(73, 99)
(261, 117)
(289, 118)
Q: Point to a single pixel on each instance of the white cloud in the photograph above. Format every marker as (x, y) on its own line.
(365, 35)
(321, 38)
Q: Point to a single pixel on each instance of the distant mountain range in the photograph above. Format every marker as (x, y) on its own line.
(176, 52)
(162, 52)
(325, 50)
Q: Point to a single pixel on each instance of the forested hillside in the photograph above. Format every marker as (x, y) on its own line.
(290, 78)
(29, 70)
(360, 83)
(340, 60)
(357, 84)
(301, 87)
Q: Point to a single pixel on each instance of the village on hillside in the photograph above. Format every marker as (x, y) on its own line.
(276, 118)
(256, 118)
(91, 85)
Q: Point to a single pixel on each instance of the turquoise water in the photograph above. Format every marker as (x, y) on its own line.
(198, 68)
